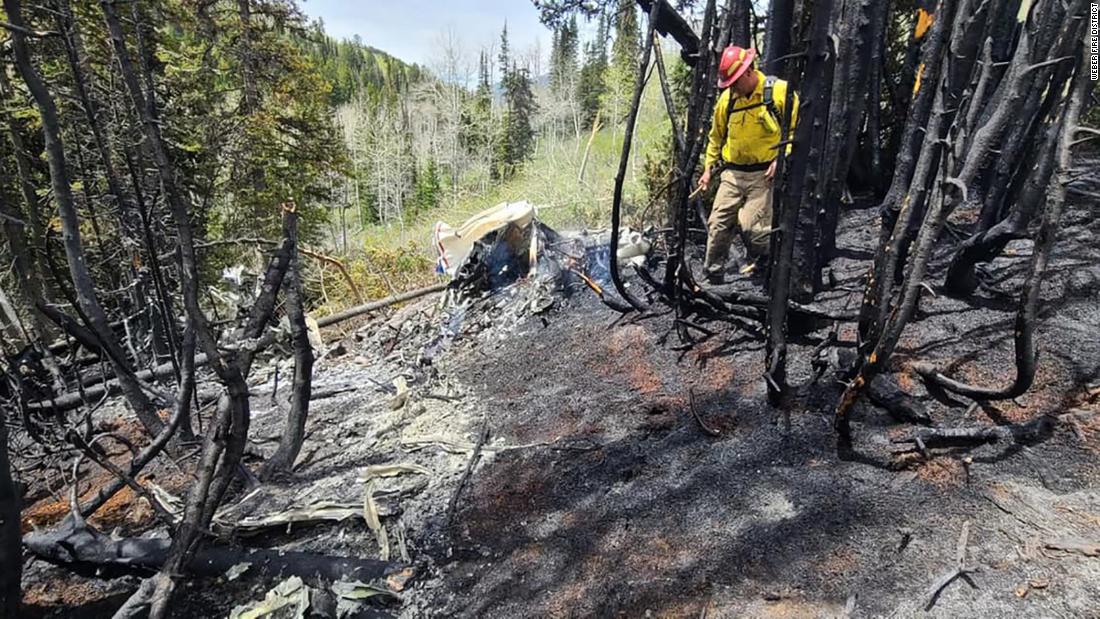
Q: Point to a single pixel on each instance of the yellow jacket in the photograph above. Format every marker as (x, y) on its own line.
(751, 136)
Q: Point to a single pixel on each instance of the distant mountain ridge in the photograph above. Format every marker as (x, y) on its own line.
(356, 69)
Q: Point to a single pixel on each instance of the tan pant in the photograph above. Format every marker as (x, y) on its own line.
(744, 200)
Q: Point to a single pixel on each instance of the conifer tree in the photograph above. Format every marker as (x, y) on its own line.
(516, 134)
(624, 59)
(590, 84)
(563, 56)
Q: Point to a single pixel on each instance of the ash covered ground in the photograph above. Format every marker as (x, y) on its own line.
(595, 490)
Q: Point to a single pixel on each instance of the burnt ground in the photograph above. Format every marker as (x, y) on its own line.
(667, 520)
(598, 494)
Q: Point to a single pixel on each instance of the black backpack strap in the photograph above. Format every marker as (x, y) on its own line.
(769, 102)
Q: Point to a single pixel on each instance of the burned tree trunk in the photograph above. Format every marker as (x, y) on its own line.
(984, 246)
(159, 322)
(282, 461)
(1011, 181)
(678, 145)
(677, 269)
(856, 31)
(900, 219)
(13, 225)
(126, 213)
(805, 260)
(26, 235)
(797, 186)
(897, 198)
(11, 548)
(1027, 315)
(225, 440)
(777, 38)
(740, 33)
(956, 190)
(873, 132)
(86, 297)
(912, 68)
(129, 222)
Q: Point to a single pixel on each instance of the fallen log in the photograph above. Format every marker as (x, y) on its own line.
(83, 549)
(76, 399)
(359, 310)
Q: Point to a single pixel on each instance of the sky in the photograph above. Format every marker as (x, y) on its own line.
(411, 29)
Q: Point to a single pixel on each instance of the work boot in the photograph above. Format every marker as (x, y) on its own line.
(715, 278)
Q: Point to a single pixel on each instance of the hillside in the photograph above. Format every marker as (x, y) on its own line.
(355, 69)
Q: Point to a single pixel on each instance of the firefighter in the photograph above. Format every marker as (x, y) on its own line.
(741, 152)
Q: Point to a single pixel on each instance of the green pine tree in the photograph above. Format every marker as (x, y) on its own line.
(563, 56)
(590, 84)
(625, 50)
(516, 135)
(429, 190)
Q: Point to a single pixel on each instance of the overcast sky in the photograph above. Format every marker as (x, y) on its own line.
(410, 29)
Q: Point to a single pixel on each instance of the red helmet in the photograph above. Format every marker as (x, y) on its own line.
(735, 61)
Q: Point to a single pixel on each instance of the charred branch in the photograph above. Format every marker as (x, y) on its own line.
(83, 549)
(668, 22)
(673, 117)
(183, 402)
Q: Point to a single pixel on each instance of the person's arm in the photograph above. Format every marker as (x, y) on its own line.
(717, 132)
